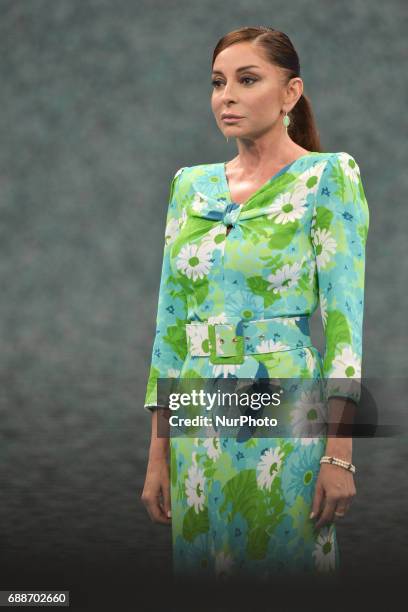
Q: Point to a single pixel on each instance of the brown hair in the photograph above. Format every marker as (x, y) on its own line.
(280, 52)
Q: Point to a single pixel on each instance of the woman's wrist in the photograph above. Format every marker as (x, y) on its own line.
(342, 448)
(159, 444)
(159, 449)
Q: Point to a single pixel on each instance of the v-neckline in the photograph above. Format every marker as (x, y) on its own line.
(281, 171)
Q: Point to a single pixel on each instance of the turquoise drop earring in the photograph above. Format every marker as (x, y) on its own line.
(286, 120)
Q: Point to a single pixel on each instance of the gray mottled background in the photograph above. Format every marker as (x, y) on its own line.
(101, 102)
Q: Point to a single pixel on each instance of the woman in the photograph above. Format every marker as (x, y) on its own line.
(262, 238)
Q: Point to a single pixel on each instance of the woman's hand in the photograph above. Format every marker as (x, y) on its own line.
(334, 492)
(335, 487)
(156, 491)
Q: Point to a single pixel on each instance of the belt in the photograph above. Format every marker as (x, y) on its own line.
(230, 340)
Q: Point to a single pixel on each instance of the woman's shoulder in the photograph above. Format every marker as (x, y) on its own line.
(188, 174)
(340, 157)
(338, 166)
(188, 179)
(185, 170)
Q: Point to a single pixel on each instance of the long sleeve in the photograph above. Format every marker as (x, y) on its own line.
(169, 345)
(339, 234)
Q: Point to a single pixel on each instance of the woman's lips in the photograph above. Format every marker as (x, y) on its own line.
(231, 119)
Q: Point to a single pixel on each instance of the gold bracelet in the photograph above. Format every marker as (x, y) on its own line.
(340, 462)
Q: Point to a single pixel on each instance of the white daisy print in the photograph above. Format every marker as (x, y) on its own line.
(324, 553)
(197, 338)
(312, 270)
(224, 370)
(307, 181)
(268, 467)
(270, 346)
(287, 208)
(195, 483)
(349, 166)
(171, 232)
(347, 364)
(308, 419)
(221, 318)
(285, 277)
(214, 239)
(313, 224)
(323, 308)
(325, 245)
(194, 262)
(213, 447)
(198, 200)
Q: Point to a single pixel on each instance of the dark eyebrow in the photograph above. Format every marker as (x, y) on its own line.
(238, 69)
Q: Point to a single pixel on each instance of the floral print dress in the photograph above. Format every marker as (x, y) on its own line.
(296, 243)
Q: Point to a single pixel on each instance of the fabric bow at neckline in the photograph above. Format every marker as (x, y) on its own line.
(229, 213)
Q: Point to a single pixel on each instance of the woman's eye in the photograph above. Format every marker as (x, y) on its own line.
(248, 79)
(216, 82)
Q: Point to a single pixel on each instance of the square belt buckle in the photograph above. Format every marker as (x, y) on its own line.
(232, 340)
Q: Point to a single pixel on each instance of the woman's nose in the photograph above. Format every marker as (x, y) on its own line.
(229, 92)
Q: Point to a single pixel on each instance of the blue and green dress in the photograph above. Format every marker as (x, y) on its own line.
(298, 241)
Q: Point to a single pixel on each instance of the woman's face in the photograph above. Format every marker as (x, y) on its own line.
(255, 93)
